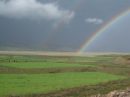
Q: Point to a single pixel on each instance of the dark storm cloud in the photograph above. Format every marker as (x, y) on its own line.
(18, 28)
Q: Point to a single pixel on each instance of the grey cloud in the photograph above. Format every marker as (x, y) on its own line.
(33, 9)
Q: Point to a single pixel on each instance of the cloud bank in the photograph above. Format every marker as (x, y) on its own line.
(33, 9)
(94, 20)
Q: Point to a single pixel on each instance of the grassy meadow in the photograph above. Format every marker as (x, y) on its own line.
(65, 76)
(42, 65)
(44, 83)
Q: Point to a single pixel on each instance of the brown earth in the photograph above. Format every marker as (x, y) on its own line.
(121, 93)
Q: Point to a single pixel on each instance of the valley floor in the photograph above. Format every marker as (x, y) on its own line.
(62, 76)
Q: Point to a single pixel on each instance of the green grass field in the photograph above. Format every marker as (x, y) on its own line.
(14, 84)
(51, 75)
(43, 65)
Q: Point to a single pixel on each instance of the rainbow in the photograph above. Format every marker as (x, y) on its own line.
(102, 29)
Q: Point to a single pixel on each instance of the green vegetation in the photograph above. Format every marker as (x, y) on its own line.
(9, 58)
(62, 76)
(43, 83)
(42, 65)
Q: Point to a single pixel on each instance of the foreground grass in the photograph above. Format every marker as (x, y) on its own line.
(89, 90)
(42, 65)
(22, 84)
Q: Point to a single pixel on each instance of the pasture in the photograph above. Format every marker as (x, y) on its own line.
(31, 76)
(42, 65)
(44, 83)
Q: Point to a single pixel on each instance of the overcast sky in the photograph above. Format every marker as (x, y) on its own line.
(62, 25)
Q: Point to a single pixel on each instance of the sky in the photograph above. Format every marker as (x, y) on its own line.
(63, 25)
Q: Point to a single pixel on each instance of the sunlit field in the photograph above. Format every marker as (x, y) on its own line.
(43, 65)
(30, 76)
(21, 84)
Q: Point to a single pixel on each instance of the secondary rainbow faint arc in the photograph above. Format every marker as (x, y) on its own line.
(102, 29)
(61, 24)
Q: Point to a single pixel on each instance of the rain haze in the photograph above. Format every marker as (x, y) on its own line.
(65, 25)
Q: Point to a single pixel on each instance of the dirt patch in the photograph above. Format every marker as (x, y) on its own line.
(121, 93)
(122, 60)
